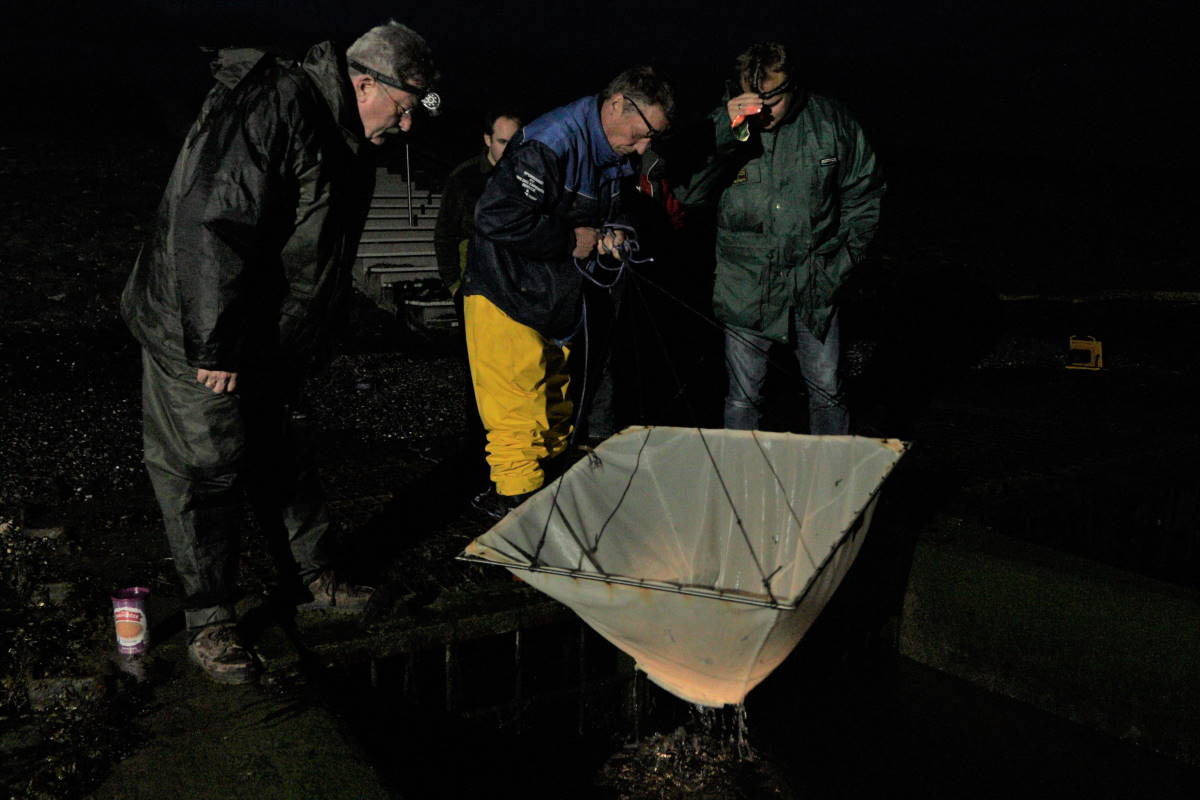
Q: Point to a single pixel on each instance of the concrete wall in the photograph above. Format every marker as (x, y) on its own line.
(1115, 651)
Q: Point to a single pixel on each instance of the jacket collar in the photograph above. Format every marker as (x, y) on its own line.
(602, 153)
(575, 128)
(326, 67)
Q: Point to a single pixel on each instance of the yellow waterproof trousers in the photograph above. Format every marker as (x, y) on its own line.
(521, 382)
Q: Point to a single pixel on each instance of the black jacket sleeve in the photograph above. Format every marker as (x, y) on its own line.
(448, 231)
(221, 232)
(517, 206)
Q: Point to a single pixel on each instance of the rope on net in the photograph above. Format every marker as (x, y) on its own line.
(590, 269)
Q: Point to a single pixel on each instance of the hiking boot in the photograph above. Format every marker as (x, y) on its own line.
(218, 651)
(334, 595)
(497, 505)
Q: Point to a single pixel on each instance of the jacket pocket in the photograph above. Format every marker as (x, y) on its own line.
(739, 282)
(743, 203)
(825, 190)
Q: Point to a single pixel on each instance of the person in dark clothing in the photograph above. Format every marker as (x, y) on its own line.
(799, 193)
(549, 211)
(456, 217)
(233, 298)
(452, 234)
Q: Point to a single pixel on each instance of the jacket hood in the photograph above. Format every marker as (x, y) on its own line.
(232, 64)
(324, 66)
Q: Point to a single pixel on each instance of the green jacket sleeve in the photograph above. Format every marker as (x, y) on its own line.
(861, 191)
(715, 155)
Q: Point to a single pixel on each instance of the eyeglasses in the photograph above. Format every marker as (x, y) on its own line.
(430, 100)
(401, 111)
(651, 131)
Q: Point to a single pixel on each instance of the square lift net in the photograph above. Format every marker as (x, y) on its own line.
(703, 554)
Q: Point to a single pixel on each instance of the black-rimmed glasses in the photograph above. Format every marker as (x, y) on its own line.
(651, 131)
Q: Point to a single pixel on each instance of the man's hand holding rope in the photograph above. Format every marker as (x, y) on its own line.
(608, 243)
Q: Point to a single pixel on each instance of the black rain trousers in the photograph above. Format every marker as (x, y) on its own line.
(207, 455)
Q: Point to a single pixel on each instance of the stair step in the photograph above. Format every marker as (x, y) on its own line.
(387, 201)
(395, 184)
(386, 263)
(398, 269)
(377, 212)
(401, 200)
(399, 235)
(398, 224)
(392, 273)
(403, 250)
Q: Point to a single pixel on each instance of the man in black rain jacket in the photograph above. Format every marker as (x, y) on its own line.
(233, 297)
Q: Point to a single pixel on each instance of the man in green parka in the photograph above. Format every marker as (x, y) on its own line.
(233, 298)
(799, 194)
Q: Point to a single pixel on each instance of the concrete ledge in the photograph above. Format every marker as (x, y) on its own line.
(1115, 651)
(343, 640)
(1152, 295)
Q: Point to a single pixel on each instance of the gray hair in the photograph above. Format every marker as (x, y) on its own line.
(395, 50)
(645, 86)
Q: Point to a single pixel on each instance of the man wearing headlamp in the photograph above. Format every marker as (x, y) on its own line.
(406, 98)
(798, 193)
(233, 298)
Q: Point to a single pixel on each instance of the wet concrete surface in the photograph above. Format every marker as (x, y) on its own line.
(207, 740)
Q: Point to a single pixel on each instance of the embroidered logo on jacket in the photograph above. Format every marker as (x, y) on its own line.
(742, 177)
(533, 185)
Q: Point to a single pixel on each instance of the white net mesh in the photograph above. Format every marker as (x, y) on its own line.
(705, 555)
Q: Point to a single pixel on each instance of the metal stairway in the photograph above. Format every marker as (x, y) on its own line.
(396, 253)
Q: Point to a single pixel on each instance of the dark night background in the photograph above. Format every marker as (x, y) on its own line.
(1053, 135)
(1062, 80)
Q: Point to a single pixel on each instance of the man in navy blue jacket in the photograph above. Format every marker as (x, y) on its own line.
(551, 208)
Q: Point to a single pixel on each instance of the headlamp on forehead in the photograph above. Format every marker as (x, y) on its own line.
(430, 100)
(786, 86)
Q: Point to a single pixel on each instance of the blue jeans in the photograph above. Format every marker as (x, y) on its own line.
(746, 365)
